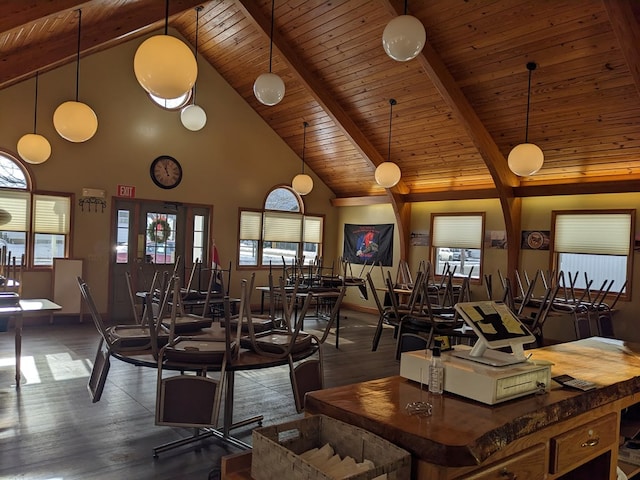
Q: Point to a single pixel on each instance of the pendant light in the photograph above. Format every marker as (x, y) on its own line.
(527, 158)
(303, 183)
(34, 148)
(388, 173)
(73, 120)
(269, 87)
(164, 66)
(404, 37)
(193, 117)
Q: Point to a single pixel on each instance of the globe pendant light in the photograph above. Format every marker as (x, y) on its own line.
(73, 120)
(164, 66)
(193, 117)
(303, 183)
(34, 148)
(388, 173)
(404, 37)
(269, 87)
(527, 158)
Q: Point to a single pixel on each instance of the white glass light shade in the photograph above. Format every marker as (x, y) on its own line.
(34, 148)
(165, 66)
(75, 121)
(525, 159)
(302, 183)
(268, 89)
(387, 174)
(193, 117)
(403, 38)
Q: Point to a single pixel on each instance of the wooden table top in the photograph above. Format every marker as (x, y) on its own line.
(462, 432)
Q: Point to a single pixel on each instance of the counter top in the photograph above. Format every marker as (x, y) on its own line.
(462, 432)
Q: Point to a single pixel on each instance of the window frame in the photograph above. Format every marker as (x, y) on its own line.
(269, 213)
(433, 247)
(31, 232)
(554, 261)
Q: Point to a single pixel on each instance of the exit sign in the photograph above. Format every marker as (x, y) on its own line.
(126, 191)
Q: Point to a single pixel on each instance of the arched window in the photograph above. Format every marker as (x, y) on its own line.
(34, 228)
(280, 232)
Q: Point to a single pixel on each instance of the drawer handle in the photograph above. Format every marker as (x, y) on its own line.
(591, 443)
(508, 475)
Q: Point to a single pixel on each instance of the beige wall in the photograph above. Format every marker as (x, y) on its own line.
(231, 163)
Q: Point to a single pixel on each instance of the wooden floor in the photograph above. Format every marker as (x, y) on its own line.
(50, 430)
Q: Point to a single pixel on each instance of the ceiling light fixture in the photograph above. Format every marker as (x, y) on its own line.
(388, 173)
(34, 148)
(193, 116)
(269, 87)
(404, 37)
(164, 66)
(73, 120)
(527, 158)
(303, 183)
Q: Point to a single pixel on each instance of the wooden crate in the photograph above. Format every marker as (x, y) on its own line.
(276, 450)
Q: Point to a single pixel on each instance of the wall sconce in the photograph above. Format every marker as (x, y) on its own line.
(92, 196)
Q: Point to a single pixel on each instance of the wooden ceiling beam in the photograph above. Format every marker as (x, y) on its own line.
(317, 90)
(627, 32)
(59, 50)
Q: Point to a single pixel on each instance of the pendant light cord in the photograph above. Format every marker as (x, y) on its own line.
(392, 102)
(35, 109)
(405, 6)
(166, 17)
(304, 142)
(531, 66)
(273, 5)
(78, 55)
(195, 53)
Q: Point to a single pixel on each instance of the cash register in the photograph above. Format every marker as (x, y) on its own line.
(496, 368)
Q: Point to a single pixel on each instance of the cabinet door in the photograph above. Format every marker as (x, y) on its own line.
(528, 465)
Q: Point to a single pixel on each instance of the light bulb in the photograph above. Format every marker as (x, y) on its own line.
(75, 121)
(269, 89)
(387, 174)
(525, 159)
(34, 148)
(403, 38)
(193, 117)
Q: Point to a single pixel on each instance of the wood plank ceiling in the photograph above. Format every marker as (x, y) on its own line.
(461, 105)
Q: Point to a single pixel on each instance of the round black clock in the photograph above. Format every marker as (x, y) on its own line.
(166, 172)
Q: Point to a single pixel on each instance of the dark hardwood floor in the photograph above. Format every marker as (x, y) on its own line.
(50, 430)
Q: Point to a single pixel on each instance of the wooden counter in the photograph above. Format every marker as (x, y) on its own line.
(559, 430)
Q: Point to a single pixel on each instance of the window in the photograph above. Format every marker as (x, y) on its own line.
(35, 227)
(199, 237)
(456, 241)
(594, 248)
(279, 233)
(161, 238)
(172, 103)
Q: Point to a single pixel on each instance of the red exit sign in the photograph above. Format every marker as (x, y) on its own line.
(126, 191)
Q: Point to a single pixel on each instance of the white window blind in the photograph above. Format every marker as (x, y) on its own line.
(51, 214)
(18, 206)
(457, 231)
(250, 225)
(313, 229)
(282, 227)
(599, 233)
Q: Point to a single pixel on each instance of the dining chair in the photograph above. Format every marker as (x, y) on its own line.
(192, 399)
(386, 315)
(177, 321)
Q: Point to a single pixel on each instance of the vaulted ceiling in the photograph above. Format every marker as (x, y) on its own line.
(461, 104)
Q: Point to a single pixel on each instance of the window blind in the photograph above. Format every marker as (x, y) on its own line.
(457, 231)
(18, 206)
(51, 214)
(250, 225)
(313, 229)
(282, 227)
(599, 233)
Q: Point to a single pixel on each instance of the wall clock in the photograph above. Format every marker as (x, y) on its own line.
(166, 172)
